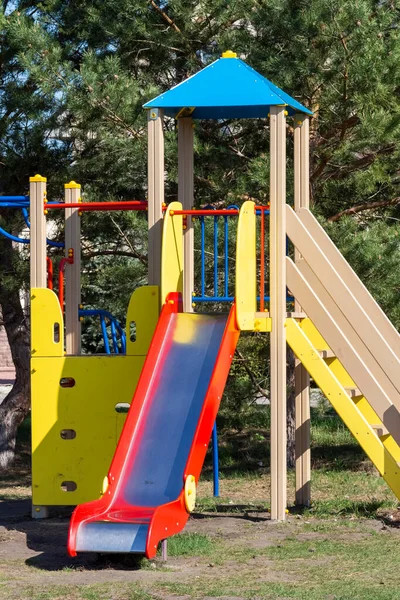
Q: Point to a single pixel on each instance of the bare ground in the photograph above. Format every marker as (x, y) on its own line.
(33, 553)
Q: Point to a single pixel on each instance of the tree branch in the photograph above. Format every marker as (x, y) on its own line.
(361, 207)
(132, 254)
(250, 373)
(165, 16)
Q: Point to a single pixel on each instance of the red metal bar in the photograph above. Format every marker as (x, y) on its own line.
(49, 263)
(262, 260)
(206, 212)
(98, 206)
(64, 261)
(214, 213)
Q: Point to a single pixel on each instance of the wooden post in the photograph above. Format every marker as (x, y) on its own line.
(155, 192)
(38, 274)
(72, 271)
(302, 379)
(37, 195)
(185, 197)
(278, 310)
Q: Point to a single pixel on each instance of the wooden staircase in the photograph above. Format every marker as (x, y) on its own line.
(351, 405)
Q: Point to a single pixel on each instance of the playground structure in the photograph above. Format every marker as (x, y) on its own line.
(177, 366)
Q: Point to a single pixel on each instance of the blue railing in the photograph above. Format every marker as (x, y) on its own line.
(22, 202)
(115, 327)
(220, 278)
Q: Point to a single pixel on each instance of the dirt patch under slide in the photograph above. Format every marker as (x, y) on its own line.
(33, 557)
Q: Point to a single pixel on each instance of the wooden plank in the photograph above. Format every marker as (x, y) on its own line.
(37, 195)
(351, 308)
(278, 311)
(185, 197)
(72, 192)
(346, 326)
(302, 380)
(155, 192)
(351, 279)
(349, 357)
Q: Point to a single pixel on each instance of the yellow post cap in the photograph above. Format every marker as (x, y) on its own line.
(229, 54)
(72, 185)
(38, 178)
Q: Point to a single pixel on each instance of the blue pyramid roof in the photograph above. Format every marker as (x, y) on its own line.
(227, 89)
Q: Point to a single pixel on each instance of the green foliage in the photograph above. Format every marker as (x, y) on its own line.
(73, 81)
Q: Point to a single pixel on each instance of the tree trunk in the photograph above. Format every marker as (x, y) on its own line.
(15, 406)
(291, 412)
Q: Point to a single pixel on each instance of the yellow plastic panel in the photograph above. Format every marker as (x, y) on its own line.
(172, 252)
(47, 325)
(143, 310)
(75, 429)
(344, 406)
(88, 411)
(245, 284)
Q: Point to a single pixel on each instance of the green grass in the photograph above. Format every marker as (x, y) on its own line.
(191, 544)
(81, 592)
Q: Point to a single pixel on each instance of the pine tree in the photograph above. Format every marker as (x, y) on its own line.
(75, 75)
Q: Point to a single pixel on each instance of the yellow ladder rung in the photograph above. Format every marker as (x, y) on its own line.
(327, 353)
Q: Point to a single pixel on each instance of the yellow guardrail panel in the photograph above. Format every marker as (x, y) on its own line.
(47, 324)
(172, 252)
(344, 406)
(246, 264)
(141, 318)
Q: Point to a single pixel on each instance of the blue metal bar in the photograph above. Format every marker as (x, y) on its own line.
(49, 242)
(197, 299)
(215, 460)
(14, 198)
(114, 337)
(203, 284)
(213, 299)
(13, 238)
(115, 326)
(215, 256)
(104, 332)
(13, 205)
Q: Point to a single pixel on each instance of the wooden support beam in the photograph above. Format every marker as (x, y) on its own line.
(72, 271)
(278, 310)
(185, 197)
(302, 379)
(37, 195)
(155, 192)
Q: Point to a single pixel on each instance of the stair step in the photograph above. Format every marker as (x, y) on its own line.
(353, 392)
(327, 353)
(380, 430)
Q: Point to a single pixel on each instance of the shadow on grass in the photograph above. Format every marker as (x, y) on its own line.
(248, 512)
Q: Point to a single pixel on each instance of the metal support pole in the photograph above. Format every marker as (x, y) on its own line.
(302, 379)
(185, 196)
(164, 550)
(72, 271)
(278, 310)
(37, 194)
(155, 193)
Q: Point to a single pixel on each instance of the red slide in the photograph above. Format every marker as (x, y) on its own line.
(165, 436)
